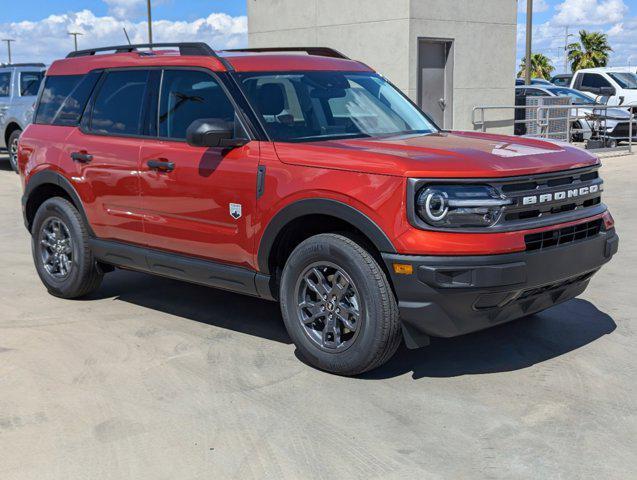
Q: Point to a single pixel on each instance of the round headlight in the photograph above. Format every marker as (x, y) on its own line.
(460, 206)
(435, 203)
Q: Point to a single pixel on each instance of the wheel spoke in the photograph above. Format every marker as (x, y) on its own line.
(340, 285)
(331, 334)
(314, 310)
(319, 287)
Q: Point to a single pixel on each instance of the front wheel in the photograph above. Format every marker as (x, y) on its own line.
(12, 146)
(338, 307)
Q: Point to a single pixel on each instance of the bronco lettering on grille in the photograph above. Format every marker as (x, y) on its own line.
(562, 195)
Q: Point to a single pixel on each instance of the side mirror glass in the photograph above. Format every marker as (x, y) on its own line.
(213, 132)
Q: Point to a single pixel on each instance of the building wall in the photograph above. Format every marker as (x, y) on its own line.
(384, 34)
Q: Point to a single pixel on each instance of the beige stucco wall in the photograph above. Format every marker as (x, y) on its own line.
(384, 34)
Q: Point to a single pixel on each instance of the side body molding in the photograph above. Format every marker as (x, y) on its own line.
(320, 206)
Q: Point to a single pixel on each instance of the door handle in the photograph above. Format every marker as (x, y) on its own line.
(161, 165)
(81, 157)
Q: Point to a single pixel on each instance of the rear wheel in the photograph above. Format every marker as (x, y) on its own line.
(338, 306)
(12, 146)
(61, 252)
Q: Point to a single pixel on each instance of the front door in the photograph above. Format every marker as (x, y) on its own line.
(197, 201)
(435, 80)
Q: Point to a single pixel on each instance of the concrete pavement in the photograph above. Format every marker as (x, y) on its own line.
(154, 379)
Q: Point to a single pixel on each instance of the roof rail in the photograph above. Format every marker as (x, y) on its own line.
(4, 65)
(185, 48)
(319, 51)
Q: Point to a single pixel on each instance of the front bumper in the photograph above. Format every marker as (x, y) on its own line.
(450, 296)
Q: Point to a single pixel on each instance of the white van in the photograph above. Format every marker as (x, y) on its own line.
(618, 84)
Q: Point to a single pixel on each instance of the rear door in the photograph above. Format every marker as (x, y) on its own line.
(105, 154)
(197, 201)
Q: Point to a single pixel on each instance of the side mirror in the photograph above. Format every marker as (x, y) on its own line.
(213, 132)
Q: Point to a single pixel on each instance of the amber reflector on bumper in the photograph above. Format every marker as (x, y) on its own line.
(403, 268)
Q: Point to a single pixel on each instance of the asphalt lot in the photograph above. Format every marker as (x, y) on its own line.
(155, 379)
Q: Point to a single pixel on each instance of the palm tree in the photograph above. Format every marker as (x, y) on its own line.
(591, 51)
(540, 66)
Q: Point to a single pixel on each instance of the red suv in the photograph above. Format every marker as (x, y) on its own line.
(307, 178)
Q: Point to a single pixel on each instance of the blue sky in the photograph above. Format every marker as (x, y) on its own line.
(40, 26)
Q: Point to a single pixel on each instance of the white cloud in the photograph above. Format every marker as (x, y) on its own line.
(48, 39)
(539, 6)
(589, 12)
(125, 8)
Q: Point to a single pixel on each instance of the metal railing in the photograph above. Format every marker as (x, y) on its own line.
(596, 117)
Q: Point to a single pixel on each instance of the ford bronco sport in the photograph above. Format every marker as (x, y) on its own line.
(19, 85)
(303, 177)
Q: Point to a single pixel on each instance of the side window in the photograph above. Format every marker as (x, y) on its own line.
(534, 92)
(117, 108)
(189, 95)
(63, 99)
(594, 80)
(30, 83)
(5, 84)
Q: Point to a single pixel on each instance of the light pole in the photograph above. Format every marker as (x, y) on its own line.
(567, 35)
(8, 40)
(75, 34)
(150, 22)
(529, 40)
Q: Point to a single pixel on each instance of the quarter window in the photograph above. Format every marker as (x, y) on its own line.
(118, 105)
(5, 84)
(189, 95)
(63, 99)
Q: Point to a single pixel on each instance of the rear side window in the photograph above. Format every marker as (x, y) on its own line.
(117, 108)
(64, 98)
(30, 83)
(5, 84)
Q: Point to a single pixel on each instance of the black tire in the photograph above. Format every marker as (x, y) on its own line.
(12, 147)
(83, 276)
(377, 334)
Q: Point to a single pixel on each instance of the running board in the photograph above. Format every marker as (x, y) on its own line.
(180, 267)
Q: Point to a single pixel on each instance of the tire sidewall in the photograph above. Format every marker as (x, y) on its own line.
(363, 349)
(59, 208)
(15, 135)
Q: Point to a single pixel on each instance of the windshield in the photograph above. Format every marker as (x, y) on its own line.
(577, 97)
(311, 106)
(625, 80)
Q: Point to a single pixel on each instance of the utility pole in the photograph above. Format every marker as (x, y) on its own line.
(566, 37)
(529, 40)
(8, 40)
(75, 34)
(150, 22)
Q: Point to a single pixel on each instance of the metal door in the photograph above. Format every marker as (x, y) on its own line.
(435, 77)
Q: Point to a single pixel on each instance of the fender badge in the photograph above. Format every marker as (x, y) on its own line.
(235, 210)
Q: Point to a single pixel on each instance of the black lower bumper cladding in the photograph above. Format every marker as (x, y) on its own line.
(451, 296)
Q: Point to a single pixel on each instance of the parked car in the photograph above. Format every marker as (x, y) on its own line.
(534, 81)
(562, 79)
(307, 179)
(614, 121)
(616, 86)
(19, 84)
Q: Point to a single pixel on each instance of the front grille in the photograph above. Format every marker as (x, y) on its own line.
(566, 185)
(562, 236)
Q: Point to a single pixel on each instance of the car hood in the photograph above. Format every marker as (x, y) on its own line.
(439, 155)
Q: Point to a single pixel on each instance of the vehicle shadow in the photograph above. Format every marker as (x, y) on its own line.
(5, 165)
(512, 346)
(504, 348)
(214, 307)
